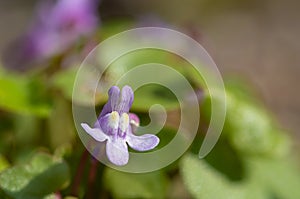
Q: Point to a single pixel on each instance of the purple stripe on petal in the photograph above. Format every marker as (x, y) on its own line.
(112, 103)
(96, 133)
(142, 143)
(126, 100)
(117, 151)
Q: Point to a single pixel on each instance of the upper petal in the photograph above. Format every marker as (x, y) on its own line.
(117, 151)
(142, 143)
(113, 101)
(96, 133)
(126, 100)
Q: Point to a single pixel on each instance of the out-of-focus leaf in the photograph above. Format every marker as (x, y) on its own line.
(27, 129)
(204, 182)
(64, 82)
(249, 126)
(252, 129)
(18, 94)
(111, 28)
(43, 175)
(3, 163)
(280, 176)
(127, 185)
(226, 160)
(149, 95)
(61, 128)
(253, 189)
(51, 196)
(63, 150)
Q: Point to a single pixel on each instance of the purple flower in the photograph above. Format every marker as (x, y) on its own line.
(56, 27)
(59, 25)
(115, 124)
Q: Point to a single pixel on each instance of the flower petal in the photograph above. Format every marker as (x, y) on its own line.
(96, 133)
(142, 143)
(113, 101)
(109, 123)
(117, 151)
(126, 100)
(134, 121)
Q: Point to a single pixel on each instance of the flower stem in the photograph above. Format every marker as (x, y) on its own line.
(79, 173)
(92, 178)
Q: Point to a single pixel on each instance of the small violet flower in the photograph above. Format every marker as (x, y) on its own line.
(59, 25)
(116, 125)
(56, 27)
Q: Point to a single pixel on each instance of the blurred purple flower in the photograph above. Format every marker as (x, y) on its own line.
(57, 26)
(115, 123)
(60, 24)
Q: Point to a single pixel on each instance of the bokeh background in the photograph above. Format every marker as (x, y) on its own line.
(257, 40)
(255, 45)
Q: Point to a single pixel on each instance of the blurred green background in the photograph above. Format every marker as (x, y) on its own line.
(255, 45)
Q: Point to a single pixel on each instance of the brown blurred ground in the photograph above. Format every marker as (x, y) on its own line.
(258, 40)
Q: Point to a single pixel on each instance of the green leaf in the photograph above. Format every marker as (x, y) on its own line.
(204, 182)
(128, 185)
(113, 27)
(21, 95)
(51, 196)
(3, 163)
(149, 94)
(146, 96)
(226, 160)
(64, 81)
(27, 129)
(249, 124)
(60, 124)
(281, 177)
(42, 176)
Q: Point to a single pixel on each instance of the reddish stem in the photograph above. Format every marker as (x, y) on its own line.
(79, 173)
(92, 177)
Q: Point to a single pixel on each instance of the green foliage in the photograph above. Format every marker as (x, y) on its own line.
(64, 81)
(3, 163)
(60, 124)
(252, 160)
(249, 124)
(23, 95)
(149, 95)
(265, 178)
(204, 182)
(280, 176)
(39, 177)
(226, 160)
(114, 27)
(127, 185)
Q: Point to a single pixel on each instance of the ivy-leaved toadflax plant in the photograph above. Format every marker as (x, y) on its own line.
(116, 125)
